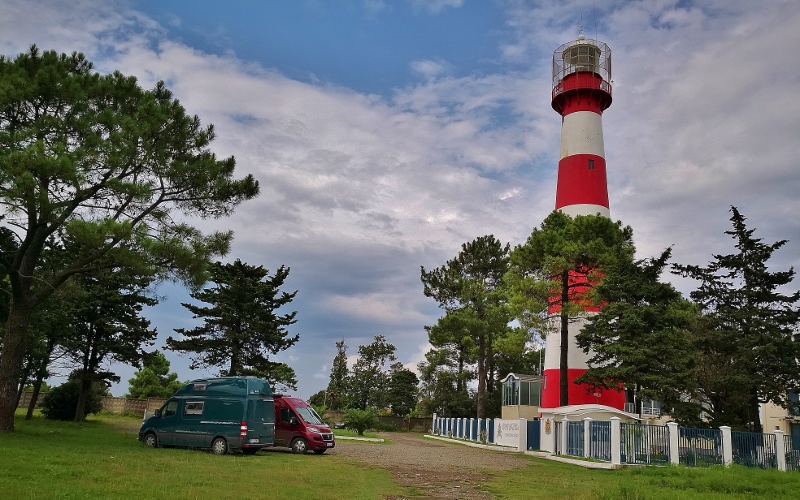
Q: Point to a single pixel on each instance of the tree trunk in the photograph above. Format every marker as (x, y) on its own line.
(11, 360)
(481, 373)
(80, 413)
(563, 364)
(37, 387)
(41, 373)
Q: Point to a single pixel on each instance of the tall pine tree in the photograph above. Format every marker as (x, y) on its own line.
(241, 328)
(750, 325)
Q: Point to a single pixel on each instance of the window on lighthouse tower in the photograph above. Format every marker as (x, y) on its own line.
(591, 164)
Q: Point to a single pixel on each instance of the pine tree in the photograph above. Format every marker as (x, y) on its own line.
(241, 328)
(748, 338)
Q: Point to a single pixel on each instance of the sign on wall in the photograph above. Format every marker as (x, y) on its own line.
(507, 432)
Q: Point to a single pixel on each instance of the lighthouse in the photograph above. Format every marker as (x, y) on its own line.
(581, 92)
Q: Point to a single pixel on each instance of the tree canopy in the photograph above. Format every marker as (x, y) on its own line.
(552, 274)
(642, 337)
(747, 339)
(154, 380)
(242, 326)
(111, 166)
(471, 291)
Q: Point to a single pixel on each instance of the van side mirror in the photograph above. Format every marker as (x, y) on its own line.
(157, 413)
(293, 420)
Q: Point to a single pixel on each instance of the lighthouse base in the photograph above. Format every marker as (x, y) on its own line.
(579, 394)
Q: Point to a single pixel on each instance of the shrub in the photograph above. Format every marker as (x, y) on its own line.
(360, 420)
(61, 402)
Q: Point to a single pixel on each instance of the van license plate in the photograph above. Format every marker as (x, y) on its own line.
(329, 444)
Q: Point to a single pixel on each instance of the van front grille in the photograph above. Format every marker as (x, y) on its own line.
(327, 437)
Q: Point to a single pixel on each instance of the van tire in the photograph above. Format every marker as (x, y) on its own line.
(151, 440)
(299, 445)
(219, 446)
(320, 452)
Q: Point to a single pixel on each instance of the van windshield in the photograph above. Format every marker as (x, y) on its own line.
(309, 415)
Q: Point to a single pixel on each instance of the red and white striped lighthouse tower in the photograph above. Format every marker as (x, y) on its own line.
(581, 92)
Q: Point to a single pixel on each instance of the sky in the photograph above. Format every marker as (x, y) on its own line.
(387, 133)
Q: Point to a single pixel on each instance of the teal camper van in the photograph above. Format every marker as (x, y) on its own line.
(223, 414)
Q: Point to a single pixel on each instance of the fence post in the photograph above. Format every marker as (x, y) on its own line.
(433, 424)
(564, 434)
(674, 452)
(727, 445)
(616, 458)
(587, 436)
(523, 435)
(780, 450)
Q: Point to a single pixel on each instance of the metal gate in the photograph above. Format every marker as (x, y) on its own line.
(534, 434)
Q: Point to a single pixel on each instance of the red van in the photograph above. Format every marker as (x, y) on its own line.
(299, 427)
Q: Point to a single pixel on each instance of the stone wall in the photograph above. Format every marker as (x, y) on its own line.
(111, 405)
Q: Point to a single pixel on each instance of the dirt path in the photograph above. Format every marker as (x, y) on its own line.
(437, 470)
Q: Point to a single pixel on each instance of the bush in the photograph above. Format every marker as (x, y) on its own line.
(61, 402)
(360, 420)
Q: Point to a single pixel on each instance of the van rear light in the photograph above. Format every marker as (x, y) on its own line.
(243, 430)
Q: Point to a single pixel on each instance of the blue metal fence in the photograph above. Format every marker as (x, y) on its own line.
(644, 444)
(699, 447)
(600, 440)
(791, 449)
(753, 449)
(575, 439)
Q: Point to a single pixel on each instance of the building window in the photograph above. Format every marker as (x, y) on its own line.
(794, 403)
(591, 164)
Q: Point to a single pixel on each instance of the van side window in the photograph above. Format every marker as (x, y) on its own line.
(286, 414)
(193, 408)
(169, 409)
(199, 387)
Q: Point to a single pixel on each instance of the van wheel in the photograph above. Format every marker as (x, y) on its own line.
(320, 452)
(219, 446)
(151, 440)
(299, 446)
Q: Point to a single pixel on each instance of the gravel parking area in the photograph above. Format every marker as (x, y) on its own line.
(437, 469)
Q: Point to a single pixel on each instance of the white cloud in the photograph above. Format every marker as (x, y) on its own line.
(435, 6)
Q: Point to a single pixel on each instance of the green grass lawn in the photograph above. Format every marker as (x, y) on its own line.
(102, 458)
(549, 479)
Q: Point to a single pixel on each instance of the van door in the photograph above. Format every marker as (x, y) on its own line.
(192, 432)
(288, 427)
(260, 422)
(168, 423)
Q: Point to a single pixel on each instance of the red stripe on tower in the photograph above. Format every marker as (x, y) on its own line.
(581, 92)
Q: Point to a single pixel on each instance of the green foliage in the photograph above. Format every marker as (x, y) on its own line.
(444, 388)
(110, 167)
(369, 382)
(241, 327)
(402, 397)
(746, 338)
(642, 336)
(61, 402)
(360, 420)
(154, 379)
(340, 374)
(470, 288)
(107, 325)
(318, 399)
(552, 275)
